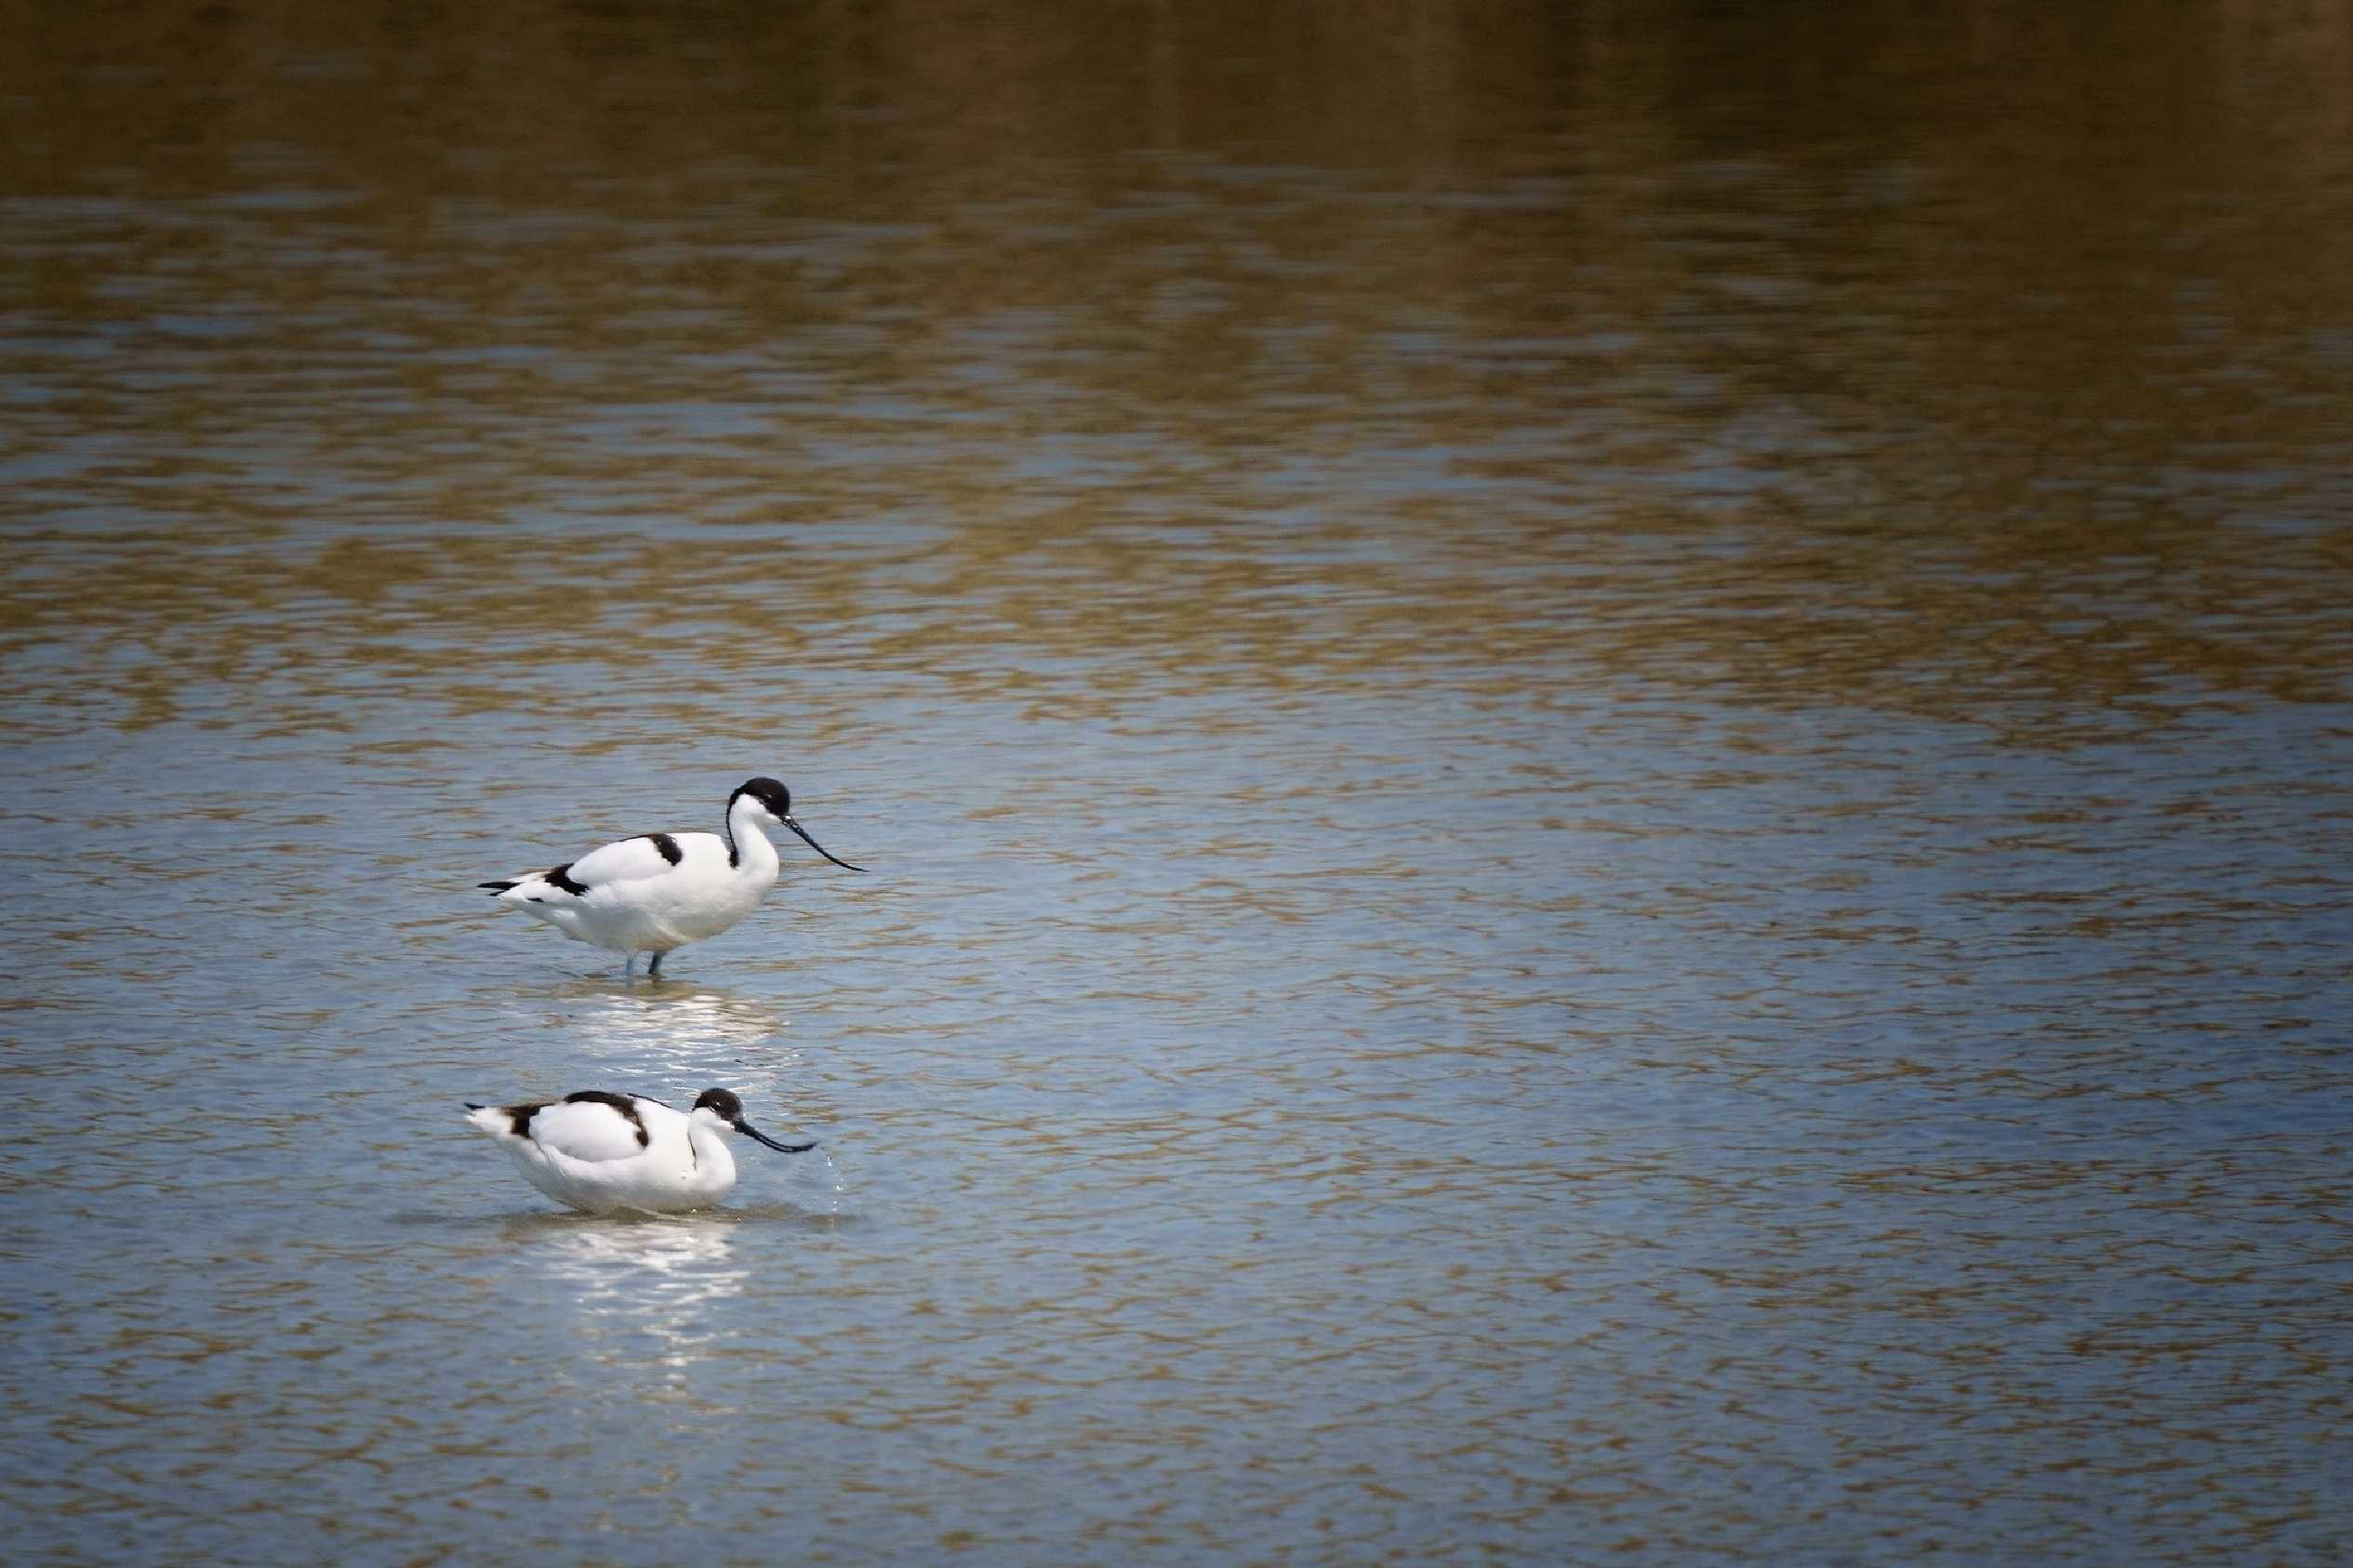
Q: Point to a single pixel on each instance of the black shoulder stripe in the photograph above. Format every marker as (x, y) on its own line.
(621, 1103)
(667, 845)
(519, 1116)
(561, 880)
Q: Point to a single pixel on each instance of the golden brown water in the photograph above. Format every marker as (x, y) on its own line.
(1603, 749)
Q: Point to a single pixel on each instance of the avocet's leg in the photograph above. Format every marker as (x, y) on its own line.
(654, 970)
(628, 963)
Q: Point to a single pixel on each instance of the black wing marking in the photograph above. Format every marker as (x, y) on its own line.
(621, 1103)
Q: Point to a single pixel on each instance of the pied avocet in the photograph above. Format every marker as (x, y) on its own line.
(659, 891)
(609, 1153)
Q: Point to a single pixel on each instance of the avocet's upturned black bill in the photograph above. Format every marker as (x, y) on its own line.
(607, 1153)
(659, 891)
(730, 1111)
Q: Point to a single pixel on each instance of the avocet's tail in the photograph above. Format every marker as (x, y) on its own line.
(540, 887)
(492, 1119)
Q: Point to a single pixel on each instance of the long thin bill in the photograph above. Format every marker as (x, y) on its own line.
(748, 1130)
(818, 847)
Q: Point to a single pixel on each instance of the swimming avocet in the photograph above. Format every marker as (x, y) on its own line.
(659, 891)
(609, 1153)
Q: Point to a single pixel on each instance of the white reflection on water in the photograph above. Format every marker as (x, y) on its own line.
(695, 1027)
(662, 1279)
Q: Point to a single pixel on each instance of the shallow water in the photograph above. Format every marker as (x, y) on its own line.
(1605, 756)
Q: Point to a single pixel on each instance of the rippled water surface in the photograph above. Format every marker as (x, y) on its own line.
(1604, 755)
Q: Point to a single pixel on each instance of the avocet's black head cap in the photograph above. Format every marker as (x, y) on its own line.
(769, 792)
(723, 1104)
(724, 1101)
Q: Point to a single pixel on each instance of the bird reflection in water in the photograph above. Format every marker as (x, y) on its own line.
(693, 1029)
(664, 1279)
